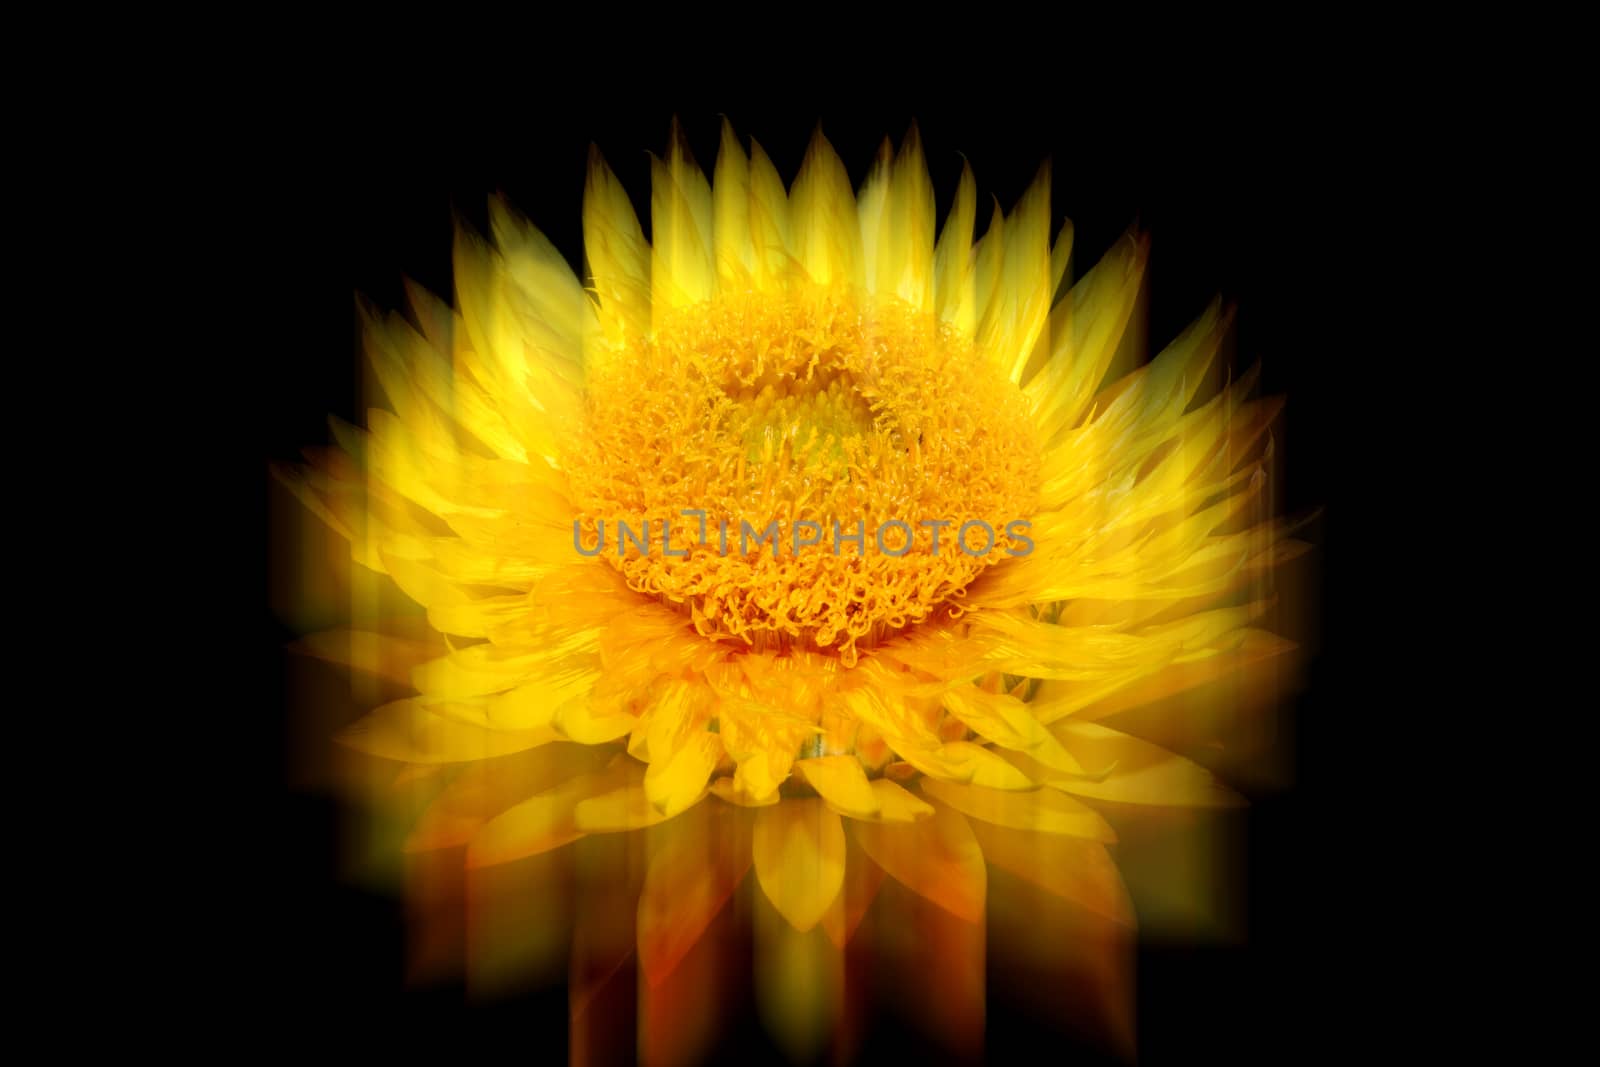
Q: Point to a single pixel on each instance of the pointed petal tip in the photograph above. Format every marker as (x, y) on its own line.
(678, 151)
(1043, 176)
(819, 147)
(1229, 310)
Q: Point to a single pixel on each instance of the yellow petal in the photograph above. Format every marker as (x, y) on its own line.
(896, 216)
(544, 300)
(762, 740)
(616, 253)
(905, 265)
(385, 655)
(628, 808)
(1045, 810)
(415, 376)
(871, 203)
(465, 399)
(896, 212)
(841, 782)
(488, 788)
(536, 825)
(894, 804)
(478, 670)
(582, 721)
(676, 783)
(799, 856)
(1020, 305)
(477, 618)
(406, 730)
(673, 714)
(1166, 385)
(1010, 723)
(769, 222)
(525, 315)
(963, 761)
(827, 232)
(953, 258)
(421, 582)
(727, 789)
(536, 700)
(733, 251)
(1072, 868)
(682, 271)
(1253, 667)
(1141, 773)
(1089, 328)
(988, 262)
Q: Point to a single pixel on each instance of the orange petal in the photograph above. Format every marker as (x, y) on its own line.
(696, 862)
(1080, 871)
(937, 857)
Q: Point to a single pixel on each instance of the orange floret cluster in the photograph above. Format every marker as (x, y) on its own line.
(816, 406)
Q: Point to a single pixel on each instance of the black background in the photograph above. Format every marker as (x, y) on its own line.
(1242, 194)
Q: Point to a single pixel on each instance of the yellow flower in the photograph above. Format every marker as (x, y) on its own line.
(799, 512)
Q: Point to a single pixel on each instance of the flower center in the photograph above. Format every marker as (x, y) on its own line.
(809, 470)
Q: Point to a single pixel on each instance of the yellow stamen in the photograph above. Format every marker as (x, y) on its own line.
(819, 407)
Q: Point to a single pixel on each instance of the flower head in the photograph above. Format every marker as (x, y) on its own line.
(970, 550)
